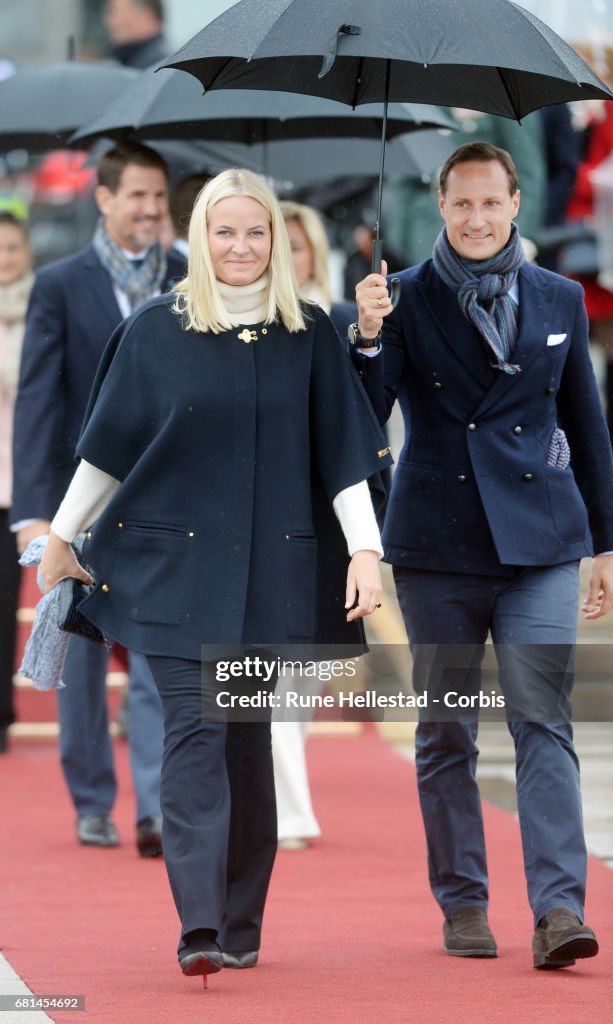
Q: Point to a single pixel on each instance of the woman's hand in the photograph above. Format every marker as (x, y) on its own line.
(364, 582)
(59, 561)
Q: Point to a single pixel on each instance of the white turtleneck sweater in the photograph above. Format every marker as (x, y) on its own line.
(91, 489)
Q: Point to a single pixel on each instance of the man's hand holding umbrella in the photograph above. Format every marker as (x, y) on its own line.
(374, 303)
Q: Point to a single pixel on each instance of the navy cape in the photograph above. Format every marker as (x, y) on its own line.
(220, 442)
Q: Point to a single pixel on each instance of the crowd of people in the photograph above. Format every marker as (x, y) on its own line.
(199, 327)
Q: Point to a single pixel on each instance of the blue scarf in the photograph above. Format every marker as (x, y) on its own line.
(482, 288)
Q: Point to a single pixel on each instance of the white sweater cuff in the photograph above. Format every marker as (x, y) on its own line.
(355, 513)
(88, 495)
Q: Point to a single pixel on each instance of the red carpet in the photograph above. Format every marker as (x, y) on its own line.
(351, 935)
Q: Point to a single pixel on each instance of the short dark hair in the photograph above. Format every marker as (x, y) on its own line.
(181, 201)
(113, 163)
(6, 217)
(479, 152)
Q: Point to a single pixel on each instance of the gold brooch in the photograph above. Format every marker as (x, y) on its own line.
(248, 336)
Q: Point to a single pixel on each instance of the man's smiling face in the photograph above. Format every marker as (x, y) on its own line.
(478, 208)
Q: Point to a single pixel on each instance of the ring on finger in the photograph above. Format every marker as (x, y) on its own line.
(379, 302)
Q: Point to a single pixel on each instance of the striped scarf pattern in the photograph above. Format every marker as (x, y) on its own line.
(138, 282)
(482, 288)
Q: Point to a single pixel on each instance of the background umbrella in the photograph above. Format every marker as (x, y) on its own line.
(300, 162)
(171, 105)
(295, 163)
(488, 55)
(41, 107)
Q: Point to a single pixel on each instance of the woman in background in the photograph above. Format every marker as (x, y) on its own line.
(16, 280)
(296, 821)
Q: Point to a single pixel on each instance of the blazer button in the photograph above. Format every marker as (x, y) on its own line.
(437, 384)
(461, 478)
(528, 476)
(105, 587)
(472, 426)
(550, 391)
(517, 430)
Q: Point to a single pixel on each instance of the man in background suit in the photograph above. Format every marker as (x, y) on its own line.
(136, 29)
(493, 505)
(75, 305)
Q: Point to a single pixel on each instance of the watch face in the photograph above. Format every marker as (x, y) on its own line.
(355, 338)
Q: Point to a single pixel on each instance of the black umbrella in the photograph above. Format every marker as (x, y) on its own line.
(488, 55)
(171, 105)
(306, 161)
(299, 162)
(41, 107)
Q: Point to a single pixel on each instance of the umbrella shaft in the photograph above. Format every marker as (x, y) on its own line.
(377, 244)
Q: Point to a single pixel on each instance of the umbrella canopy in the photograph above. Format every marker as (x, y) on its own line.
(41, 107)
(304, 162)
(294, 163)
(171, 105)
(488, 55)
(299, 162)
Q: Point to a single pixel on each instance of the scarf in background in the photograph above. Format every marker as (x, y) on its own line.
(139, 283)
(13, 305)
(311, 291)
(482, 288)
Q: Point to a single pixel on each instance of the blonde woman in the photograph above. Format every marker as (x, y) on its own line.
(211, 410)
(16, 280)
(310, 252)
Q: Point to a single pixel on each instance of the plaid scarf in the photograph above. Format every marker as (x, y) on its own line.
(140, 283)
(483, 287)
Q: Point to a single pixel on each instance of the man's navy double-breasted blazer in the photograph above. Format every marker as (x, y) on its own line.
(71, 316)
(473, 489)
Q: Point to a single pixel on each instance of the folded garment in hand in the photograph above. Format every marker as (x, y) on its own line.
(43, 658)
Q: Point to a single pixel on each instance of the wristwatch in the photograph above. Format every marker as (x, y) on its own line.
(359, 341)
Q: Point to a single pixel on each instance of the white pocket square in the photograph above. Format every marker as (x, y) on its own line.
(556, 339)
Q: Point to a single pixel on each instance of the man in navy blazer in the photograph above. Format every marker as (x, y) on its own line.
(504, 483)
(75, 305)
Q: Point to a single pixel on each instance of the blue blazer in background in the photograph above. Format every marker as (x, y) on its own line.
(71, 316)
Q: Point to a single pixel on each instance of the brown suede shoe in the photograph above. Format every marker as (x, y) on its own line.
(560, 938)
(467, 933)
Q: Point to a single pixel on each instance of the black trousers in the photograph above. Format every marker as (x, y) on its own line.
(219, 812)
(10, 574)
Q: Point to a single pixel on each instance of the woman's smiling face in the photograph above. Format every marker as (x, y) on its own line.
(240, 240)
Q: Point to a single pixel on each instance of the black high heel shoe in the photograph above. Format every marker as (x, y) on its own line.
(201, 956)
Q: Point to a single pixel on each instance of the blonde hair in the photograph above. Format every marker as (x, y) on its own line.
(199, 301)
(311, 223)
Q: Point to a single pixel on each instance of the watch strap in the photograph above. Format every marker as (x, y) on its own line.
(359, 341)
